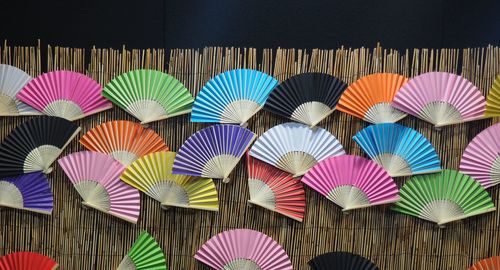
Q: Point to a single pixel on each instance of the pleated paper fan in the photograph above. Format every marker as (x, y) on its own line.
(152, 174)
(443, 197)
(67, 94)
(149, 95)
(441, 99)
(493, 99)
(34, 145)
(145, 254)
(369, 98)
(27, 261)
(125, 141)
(352, 182)
(491, 263)
(232, 97)
(243, 249)
(275, 189)
(96, 177)
(341, 261)
(295, 147)
(400, 150)
(12, 80)
(29, 192)
(213, 152)
(307, 98)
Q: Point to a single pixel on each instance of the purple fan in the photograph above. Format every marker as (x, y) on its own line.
(28, 191)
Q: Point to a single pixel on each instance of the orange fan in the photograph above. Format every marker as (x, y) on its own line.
(125, 141)
(27, 261)
(491, 263)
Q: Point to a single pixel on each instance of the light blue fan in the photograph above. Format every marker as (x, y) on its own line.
(400, 150)
(232, 97)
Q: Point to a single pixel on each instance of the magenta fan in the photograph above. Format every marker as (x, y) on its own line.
(243, 249)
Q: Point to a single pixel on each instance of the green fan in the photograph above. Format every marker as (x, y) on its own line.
(149, 95)
(443, 197)
(145, 254)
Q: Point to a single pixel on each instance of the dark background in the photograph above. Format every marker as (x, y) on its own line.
(398, 24)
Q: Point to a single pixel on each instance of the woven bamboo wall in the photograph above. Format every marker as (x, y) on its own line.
(86, 239)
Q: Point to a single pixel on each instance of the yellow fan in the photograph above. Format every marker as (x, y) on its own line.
(493, 100)
(152, 174)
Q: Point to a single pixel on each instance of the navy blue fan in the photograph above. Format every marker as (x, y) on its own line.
(341, 261)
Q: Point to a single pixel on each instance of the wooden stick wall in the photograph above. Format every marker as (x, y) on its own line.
(86, 239)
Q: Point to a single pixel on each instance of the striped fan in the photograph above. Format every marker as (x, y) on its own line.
(295, 148)
(491, 263)
(243, 249)
(125, 141)
(28, 192)
(12, 80)
(27, 261)
(213, 152)
(441, 98)
(145, 254)
(232, 97)
(400, 150)
(275, 190)
(34, 145)
(341, 261)
(307, 98)
(67, 94)
(352, 182)
(152, 174)
(370, 97)
(443, 197)
(96, 177)
(493, 99)
(149, 95)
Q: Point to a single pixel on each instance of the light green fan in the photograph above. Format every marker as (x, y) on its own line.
(443, 197)
(149, 95)
(145, 254)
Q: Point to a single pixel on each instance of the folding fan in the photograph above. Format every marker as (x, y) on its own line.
(491, 263)
(12, 80)
(493, 99)
(275, 189)
(443, 197)
(34, 145)
(145, 254)
(123, 140)
(96, 177)
(28, 192)
(352, 182)
(213, 152)
(67, 94)
(306, 98)
(243, 249)
(27, 261)
(149, 95)
(232, 97)
(441, 98)
(295, 148)
(369, 98)
(341, 261)
(152, 174)
(400, 150)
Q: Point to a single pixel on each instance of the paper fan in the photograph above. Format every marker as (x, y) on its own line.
(443, 197)
(149, 95)
(96, 177)
(295, 148)
(232, 97)
(125, 141)
(213, 152)
(12, 80)
(145, 254)
(491, 263)
(34, 145)
(243, 249)
(352, 182)
(400, 150)
(341, 261)
(441, 98)
(306, 98)
(369, 98)
(493, 99)
(275, 189)
(27, 261)
(152, 174)
(27, 192)
(67, 94)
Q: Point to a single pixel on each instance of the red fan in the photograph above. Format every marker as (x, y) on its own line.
(27, 261)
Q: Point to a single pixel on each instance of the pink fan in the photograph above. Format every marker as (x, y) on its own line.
(66, 94)
(352, 182)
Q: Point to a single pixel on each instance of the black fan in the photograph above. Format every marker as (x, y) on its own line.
(341, 261)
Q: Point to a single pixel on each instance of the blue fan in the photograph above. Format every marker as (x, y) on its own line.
(232, 97)
(400, 150)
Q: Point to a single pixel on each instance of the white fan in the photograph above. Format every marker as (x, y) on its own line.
(12, 80)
